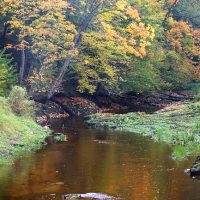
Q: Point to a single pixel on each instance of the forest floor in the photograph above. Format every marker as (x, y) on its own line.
(18, 134)
(177, 124)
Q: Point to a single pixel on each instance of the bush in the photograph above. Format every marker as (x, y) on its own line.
(18, 134)
(20, 103)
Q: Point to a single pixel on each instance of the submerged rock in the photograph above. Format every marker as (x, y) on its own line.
(97, 196)
(56, 137)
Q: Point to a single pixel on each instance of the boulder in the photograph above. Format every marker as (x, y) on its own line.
(194, 170)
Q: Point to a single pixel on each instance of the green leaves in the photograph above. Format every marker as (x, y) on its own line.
(7, 75)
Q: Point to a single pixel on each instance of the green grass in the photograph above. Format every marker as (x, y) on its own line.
(180, 127)
(18, 134)
(196, 88)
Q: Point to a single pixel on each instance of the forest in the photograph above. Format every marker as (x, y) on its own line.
(130, 66)
(122, 45)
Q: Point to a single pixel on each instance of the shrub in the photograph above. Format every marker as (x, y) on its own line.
(20, 102)
(18, 134)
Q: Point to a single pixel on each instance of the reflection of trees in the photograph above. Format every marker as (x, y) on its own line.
(128, 165)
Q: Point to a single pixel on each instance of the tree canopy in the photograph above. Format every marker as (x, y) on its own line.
(122, 45)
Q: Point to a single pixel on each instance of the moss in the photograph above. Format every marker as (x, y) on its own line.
(18, 134)
(176, 127)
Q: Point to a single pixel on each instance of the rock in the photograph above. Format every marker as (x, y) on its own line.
(77, 106)
(195, 168)
(56, 137)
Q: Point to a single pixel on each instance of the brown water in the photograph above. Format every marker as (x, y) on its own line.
(118, 164)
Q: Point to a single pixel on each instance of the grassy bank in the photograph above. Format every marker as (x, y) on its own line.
(18, 134)
(179, 127)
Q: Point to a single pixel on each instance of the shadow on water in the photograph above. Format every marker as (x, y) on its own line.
(105, 164)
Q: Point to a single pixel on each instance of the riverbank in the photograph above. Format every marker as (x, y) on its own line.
(178, 126)
(74, 104)
(18, 134)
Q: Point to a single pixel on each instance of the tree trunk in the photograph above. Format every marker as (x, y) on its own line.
(5, 29)
(77, 42)
(59, 79)
(169, 12)
(22, 66)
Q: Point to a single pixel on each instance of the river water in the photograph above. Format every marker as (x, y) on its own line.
(101, 164)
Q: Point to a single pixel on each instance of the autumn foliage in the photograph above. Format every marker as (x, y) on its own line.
(121, 45)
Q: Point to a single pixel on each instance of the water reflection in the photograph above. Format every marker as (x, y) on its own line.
(117, 164)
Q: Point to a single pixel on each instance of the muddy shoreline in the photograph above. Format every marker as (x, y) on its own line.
(62, 106)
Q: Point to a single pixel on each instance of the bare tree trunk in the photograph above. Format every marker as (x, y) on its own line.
(29, 71)
(59, 79)
(5, 29)
(22, 66)
(77, 42)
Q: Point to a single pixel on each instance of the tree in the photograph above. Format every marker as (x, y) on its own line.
(99, 42)
(108, 31)
(107, 51)
(169, 62)
(171, 4)
(7, 75)
(42, 28)
(58, 43)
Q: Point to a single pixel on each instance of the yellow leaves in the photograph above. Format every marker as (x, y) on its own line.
(127, 10)
(41, 26)
(84, 85)
(133, 13)
(121, 5)
(91, 73)
(110, 32)
(170, 21)
(54, 5)
(15, 23)
(111, 72)
(124, 27)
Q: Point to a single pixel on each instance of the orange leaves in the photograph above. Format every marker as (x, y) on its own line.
(133, 13)
(184, 39)
(196, 38)
(110, 32)
(178, 34)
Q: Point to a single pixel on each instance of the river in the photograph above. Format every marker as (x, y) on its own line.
(98, 163)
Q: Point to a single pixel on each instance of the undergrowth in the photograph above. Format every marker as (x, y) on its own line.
(18, 133)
